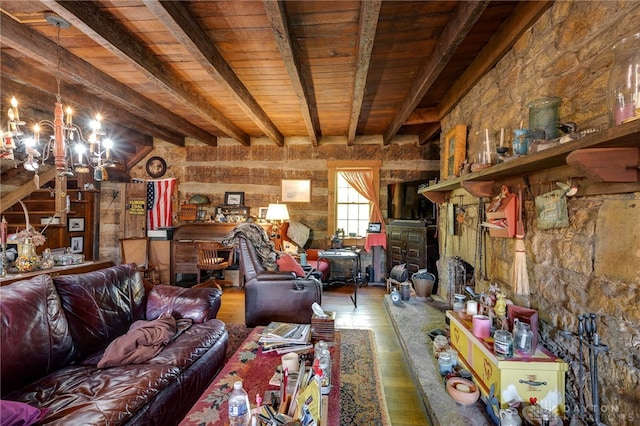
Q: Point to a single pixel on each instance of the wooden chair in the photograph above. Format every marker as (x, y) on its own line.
(215, 257)
(136, 250)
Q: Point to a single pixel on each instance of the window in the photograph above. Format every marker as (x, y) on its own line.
(347, 208)
(352, 209)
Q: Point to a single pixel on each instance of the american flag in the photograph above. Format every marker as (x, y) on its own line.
(159, 203)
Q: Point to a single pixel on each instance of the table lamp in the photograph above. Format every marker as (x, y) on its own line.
(199, 200)
(277, 213)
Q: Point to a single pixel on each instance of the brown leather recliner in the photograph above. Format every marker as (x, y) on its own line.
(273, 295)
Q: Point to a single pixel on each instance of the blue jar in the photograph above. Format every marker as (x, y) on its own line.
(520, 142)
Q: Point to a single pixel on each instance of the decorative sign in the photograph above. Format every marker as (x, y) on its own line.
(137, 207)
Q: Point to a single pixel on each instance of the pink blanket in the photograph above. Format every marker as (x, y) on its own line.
(143, 341)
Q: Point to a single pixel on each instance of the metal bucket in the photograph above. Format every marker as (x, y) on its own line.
(423, 283)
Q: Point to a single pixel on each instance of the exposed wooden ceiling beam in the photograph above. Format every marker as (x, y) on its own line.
(277, 15)
(369, 13)
(184, 27)
(431, 130)
(422, 116)
(453, 34)
(74, 69)
(523, 17)
(107, 32)
(36, 88)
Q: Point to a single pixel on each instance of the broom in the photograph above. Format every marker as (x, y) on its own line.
(519, 274)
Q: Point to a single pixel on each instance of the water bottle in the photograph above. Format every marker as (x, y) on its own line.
(238, 406)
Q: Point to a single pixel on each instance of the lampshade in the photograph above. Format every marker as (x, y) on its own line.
(277, 212)
(199, 199)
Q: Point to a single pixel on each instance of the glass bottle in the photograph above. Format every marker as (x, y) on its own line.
(624, 80)
(523, 339)
(47, 259)
(520, 142)
(503, 344)
(28, 260)
(445, 365)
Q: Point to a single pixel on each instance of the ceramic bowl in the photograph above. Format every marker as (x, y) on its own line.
(462, 391)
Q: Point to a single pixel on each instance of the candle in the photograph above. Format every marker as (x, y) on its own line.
(69, 117)
(481, 326)
(501, 136)
(486, 141)
(14, 109)
(3, 231)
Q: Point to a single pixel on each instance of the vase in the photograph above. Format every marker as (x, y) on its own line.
(28, 259)
(543, 114)
(624, 80)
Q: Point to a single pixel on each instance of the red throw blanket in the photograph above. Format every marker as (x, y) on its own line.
(143, 341)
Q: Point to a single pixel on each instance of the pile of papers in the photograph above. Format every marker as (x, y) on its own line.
(283, 337)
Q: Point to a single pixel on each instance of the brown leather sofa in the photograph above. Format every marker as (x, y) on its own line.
(274, 295)
(54, 332)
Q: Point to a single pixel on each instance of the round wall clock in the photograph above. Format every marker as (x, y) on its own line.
(156, 167)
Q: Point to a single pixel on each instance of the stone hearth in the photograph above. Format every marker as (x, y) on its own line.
(412, 321)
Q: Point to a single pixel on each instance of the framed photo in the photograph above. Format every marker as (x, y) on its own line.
(455, 147)
(374, 227)
(296, 191)
(77, 244)
(76, 224)
(234, 198)
(262, 213)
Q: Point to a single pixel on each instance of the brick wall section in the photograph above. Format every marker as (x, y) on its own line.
(593, 265)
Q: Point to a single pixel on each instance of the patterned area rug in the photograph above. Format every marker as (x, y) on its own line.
(360, 399)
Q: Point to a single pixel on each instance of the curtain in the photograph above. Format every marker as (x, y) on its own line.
(362, 181)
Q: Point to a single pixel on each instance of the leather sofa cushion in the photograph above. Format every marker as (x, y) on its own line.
(101, 305)
(35, 334)
(196, 304)
(82, 394)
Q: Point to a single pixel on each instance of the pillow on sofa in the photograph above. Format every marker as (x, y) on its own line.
(286, 263)
(14, 413)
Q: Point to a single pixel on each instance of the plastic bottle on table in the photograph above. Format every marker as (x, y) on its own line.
(239, 414)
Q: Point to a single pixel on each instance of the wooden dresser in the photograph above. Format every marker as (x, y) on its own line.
(184, 257)
(542, 376)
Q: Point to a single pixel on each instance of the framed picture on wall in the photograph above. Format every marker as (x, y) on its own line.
(455, 147)
(296, 191)
(77, 244)
(234, 198)
(76, 224)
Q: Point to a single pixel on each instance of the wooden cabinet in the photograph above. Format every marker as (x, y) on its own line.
(541, 376)
(412, 242)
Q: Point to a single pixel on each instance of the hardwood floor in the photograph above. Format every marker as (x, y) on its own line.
(405, 405)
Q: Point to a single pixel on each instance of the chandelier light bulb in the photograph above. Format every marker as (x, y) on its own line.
(80, 150)
(69, 117)
(14, 102)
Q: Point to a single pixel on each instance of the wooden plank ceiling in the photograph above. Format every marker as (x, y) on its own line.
(248, 69)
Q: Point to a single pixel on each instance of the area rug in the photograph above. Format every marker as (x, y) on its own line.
(358, 399)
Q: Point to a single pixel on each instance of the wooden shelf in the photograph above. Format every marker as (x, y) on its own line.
(624, 135)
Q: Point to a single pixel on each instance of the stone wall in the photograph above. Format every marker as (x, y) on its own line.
(594, 264)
